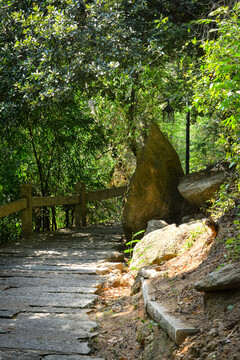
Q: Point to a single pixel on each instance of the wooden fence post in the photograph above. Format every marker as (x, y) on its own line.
(26, 214)
(83, 204)
(78, 206)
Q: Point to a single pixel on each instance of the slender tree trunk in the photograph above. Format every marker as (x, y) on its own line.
(72, 215)
(54, 222)
(187, 141)
(131, 123)
(67, 216)
(38, 162)
(43, 184)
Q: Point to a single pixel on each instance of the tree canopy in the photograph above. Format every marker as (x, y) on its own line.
(217, 87)
(81, 82)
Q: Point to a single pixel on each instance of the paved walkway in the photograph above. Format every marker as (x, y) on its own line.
(46, 289)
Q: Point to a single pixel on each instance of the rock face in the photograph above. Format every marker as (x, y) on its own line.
(199, 187)
(227, 277)
(153, 192)
(163, 244)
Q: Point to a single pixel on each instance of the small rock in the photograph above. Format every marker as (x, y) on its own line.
(212, 345)
(204, 355)
(211, 356)
(102, 271)
(225, 341)
(119, 280)
(116, 266)
(115, 257)
(213, 332)
(136, 287)
(155, 225)
(148, 273)
(116, 283)
(115, 271)
(230, 308)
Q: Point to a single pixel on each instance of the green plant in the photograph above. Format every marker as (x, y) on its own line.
(193, 235)
(165, 275)
(224, 202)
(141, 255)
(151, 325)
(131, 243)
(219, 267)
(233, 244)
(224, 199)
(10, 228)
(217, 90)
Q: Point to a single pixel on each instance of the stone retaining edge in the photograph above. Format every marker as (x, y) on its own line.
(175, 329)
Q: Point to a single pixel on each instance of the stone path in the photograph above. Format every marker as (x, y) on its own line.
(47, 288)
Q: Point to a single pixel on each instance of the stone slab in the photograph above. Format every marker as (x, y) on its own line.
(73, 346)
(47, 334)
(77, 259)
(30, 355)
(8, 314)
(47, 309)
(19, 355)
(47, 299)
(67, 249)
(48, 289)
(70, 357)
(176, 330)
(58, 268)
(50, 325)
(42, 278)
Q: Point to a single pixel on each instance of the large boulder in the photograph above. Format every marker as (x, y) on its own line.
(153, 192)
(164, 244)
(198, 187)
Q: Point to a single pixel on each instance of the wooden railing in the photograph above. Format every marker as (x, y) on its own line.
(80, 200)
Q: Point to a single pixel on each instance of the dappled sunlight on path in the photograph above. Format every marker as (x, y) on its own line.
(47, 286)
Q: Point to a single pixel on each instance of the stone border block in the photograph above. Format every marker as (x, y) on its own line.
(176, 329)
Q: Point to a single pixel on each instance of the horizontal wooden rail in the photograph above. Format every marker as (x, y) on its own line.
(56, 200)
(80, 200)
(74, 199)
(13, 207)
(106, 194)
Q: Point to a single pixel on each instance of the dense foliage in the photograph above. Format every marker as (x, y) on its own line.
(81, 82)
(217, 88)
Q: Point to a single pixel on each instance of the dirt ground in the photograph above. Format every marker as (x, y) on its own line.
(120, 316)
(127, 333)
